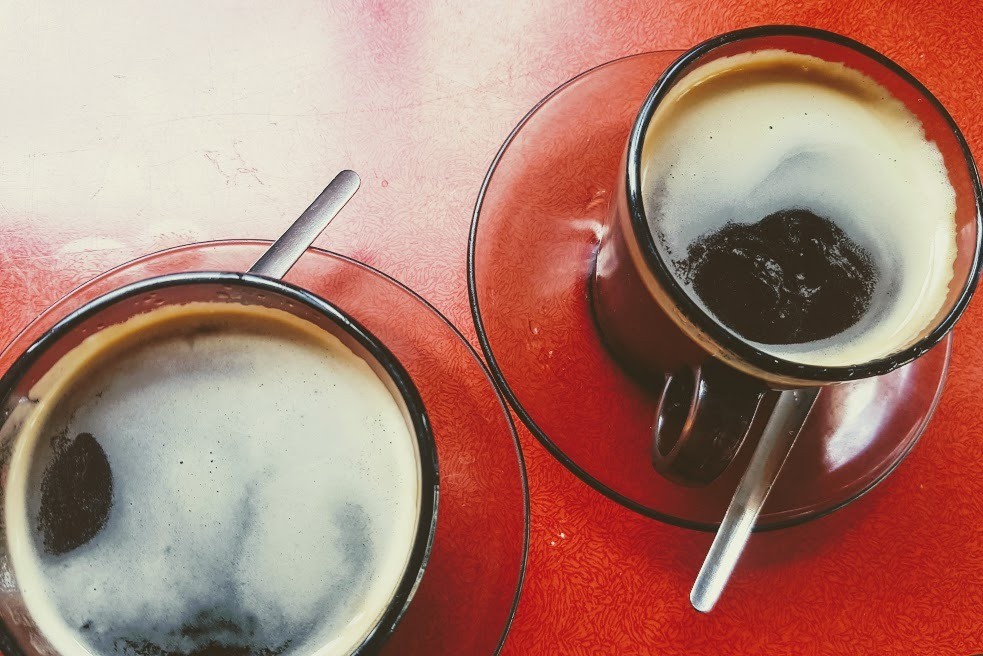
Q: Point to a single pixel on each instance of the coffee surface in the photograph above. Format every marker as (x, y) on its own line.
(763, 167)
(239, 483)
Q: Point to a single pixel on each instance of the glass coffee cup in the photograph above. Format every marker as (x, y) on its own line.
(652, 301)
(659, 331)
(195, 605)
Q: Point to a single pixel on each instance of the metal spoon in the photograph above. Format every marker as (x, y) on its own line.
(779, 435)
(286, 250)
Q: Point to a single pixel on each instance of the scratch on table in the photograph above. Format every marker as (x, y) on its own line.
(210, 156)
(239, 163)
(314, 114)
(245, 168)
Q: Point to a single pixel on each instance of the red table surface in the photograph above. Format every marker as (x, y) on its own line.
(129, 127)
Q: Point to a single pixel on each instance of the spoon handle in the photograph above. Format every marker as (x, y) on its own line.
(286, 250)
(779, 435)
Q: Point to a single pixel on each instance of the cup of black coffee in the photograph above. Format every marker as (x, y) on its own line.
(211, 463)
(794, 210)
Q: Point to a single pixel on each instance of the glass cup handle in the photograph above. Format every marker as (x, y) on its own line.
(285, 251)
(703, 415)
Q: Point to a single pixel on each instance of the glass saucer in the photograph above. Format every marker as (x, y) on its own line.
(537, 223)
(467, 598)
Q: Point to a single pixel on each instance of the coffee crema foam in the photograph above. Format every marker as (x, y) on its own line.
(747, 136)
(265, 489)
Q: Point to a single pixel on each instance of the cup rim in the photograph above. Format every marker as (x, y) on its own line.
(723, 338)
(429, 471)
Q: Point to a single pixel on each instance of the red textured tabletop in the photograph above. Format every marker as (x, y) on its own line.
(127, 128)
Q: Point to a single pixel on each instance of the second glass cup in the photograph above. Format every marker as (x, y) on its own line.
(712, 378)
(830, 233)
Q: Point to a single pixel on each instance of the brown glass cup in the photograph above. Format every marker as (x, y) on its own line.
(711, 382)
(262, 286)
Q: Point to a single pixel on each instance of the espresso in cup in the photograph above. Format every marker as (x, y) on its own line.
(211, 478)
(800, 204)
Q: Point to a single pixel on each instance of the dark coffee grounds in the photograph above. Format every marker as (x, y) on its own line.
(792, 277)
(76, 494)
